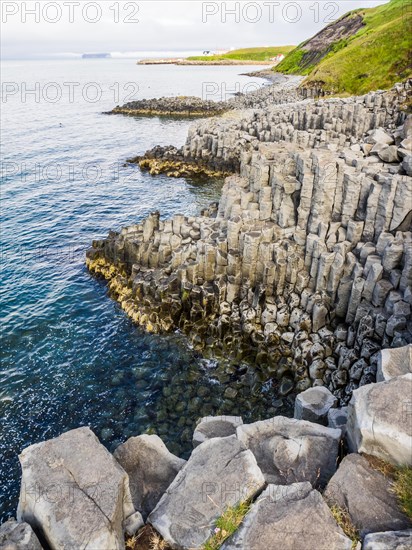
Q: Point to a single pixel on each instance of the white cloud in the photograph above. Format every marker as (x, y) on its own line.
(125, 26)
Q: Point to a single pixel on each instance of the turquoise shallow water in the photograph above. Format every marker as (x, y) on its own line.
(69, 355)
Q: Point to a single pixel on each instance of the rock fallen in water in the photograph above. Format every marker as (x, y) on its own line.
(170, 161)
(289, 450)
(215, 426)
(365, 493)
(379, 420)
(74, 493)
(18, 536)
(219, 474)
(151, 469)
(289, 517)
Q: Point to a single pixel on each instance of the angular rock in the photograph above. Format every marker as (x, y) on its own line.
(289, 450)
(220, 473)
(293, 517)
(366, 495)
(389, 540)
(151, 468)
(380, 420)
(338, 418)
(388, 153)
(394, 362)
(313, 404)
(74, 493)
(215, 426)
(18, 536)
(380, 136)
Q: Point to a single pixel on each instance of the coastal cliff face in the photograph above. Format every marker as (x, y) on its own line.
(305, 265)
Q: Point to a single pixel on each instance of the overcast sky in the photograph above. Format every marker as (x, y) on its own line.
(71, 27)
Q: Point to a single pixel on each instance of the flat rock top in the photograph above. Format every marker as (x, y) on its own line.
(390, 402)
(75, 491)
(290, 450)
(292, 517)
(220, 473)
(215, 426)
(366, 494)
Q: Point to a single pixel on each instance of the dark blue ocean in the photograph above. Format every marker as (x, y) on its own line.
(69, 355)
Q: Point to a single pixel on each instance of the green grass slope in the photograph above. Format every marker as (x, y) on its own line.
(246, 54)
(364, 50)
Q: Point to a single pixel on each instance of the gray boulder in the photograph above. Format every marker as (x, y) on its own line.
(215, 426)
(289, 450)
(220, 473)
(151, 468)
(388, 153)
(394, 362)
(390, 540)
(18, 536)
(366, 495)
(314, 403)
(292, 517)
(74, 493)
(379, 420)
(380, 136)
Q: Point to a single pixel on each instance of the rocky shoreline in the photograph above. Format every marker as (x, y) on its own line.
(184, 106)
(305, 266)
(327, 479)
(192, 62)
(302, 271)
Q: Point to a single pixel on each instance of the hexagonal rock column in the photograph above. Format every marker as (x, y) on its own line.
(394, 362)
(220, 473)
(380, 420)
(293, 516)
(215, 426)
(289, 450)
(366, 495)
(151, 468)
(313, 404)
(74, 493)
(18, 536)
(389, 540)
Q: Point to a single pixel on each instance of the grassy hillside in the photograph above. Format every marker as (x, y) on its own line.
(364, 50)
(246, 54)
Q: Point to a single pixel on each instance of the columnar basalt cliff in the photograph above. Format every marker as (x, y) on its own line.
(305, 265)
